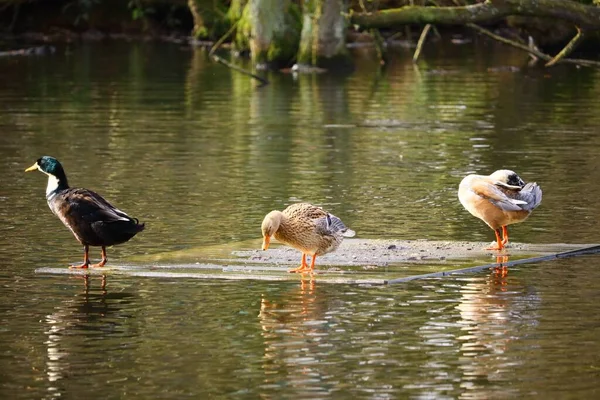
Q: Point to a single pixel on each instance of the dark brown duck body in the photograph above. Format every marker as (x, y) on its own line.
(92, 220)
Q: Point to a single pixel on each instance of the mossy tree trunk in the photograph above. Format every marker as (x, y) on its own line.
(240, 43)
(271, 30)
(323, 39)
(199, 31)
(236, 8)
(209, 16)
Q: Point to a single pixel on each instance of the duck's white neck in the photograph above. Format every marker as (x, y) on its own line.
(52, 185)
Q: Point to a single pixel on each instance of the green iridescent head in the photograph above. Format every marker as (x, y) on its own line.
(51, 167)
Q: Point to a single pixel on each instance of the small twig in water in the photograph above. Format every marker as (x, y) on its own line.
(218, 59)
(421, 42)
(219, 42)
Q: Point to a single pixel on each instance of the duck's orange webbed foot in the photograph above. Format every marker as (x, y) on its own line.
(300, 269)
(84, 266)
(303, 266)
(102, 262)
(86, 259)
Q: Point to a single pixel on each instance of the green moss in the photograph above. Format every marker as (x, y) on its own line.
(236, 9)
(321, 44)
(241, 41)
(201, 33)
(282, 37)
(282, 50)
(284, 47)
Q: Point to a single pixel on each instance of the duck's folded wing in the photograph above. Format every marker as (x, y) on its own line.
(92, 208)
(497, 197)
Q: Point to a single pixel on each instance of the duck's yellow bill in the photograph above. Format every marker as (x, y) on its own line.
(266, 241)
(34, 167)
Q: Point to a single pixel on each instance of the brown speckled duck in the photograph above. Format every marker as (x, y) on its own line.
(499, 200)
(92, 219)
(307, 228)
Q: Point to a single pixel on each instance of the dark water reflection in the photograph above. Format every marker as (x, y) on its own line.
(201, 155)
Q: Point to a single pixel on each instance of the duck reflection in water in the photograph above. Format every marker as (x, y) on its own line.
(86, 282)
(89, 314)
(495, 312)
(501, 267)
(295, 329)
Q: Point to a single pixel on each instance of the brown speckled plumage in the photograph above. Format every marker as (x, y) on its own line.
(307, 228)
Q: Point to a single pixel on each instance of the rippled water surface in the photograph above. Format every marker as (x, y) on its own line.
(201, 154)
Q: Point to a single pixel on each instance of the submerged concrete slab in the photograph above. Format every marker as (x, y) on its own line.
(357, 261)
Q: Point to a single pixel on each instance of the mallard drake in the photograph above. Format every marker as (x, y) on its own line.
(499, 200)
(92, 219)
(307, 228)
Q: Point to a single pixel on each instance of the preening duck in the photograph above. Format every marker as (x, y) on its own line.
(92, 220)
(499, 200)
(307, 228)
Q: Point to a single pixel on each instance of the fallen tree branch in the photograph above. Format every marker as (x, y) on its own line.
(587, 17)
(223, 38)
(534, 50)
(218, 59)
(567, 49)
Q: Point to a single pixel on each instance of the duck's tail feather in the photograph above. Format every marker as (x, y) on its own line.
(136, 226)
(348, 233)
(532, 195)
(336, 225)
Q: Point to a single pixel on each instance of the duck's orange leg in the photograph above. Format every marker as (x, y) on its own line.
(504, 235)
(303, 266)
(86, 258)
(499, 246)
(104, 259)
(312, 262)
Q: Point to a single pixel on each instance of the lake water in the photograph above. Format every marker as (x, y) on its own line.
(201, 154)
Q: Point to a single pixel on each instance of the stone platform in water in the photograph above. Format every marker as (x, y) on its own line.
(357, 261)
